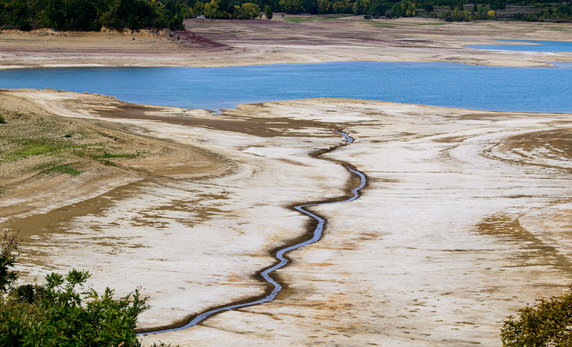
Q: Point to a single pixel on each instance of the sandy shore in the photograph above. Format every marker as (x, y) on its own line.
(465, 219)
(253, 42)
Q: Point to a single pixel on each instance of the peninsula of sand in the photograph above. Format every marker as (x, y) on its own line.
(465, 218)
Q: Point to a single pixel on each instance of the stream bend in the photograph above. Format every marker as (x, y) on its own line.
(280, 254)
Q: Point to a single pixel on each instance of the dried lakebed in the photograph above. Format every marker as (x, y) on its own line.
(316, 232)
(466, 217)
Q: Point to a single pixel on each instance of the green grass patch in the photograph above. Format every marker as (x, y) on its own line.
(561, 29)
(107, 155)
(65, 169)
(378, 23)
(33, 149)
(297, 20)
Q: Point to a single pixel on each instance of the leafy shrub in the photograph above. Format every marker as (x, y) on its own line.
(91, 14)
(268, 12)
(547, 323)
(62, 312)
(2, 120)
(8, 251)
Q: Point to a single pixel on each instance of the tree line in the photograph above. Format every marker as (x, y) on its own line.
(90, 15)
(136, 14)
(454, 10)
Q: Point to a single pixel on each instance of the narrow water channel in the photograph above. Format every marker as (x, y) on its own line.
(281, 259)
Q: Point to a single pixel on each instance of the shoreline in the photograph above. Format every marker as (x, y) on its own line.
(95, 66)
(253, 42)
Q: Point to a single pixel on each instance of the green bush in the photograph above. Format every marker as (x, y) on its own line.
(2, 120)
(8, 251)
(62, 312)
(90, 15)
(547, 323)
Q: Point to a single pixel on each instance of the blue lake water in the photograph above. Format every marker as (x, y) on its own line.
(530, 46)
(531, 89)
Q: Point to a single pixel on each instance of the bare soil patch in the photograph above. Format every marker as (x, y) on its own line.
(289, 39)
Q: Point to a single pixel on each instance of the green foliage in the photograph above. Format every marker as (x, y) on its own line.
(66, 169)
(247, 10)
(362, 6)
(547, 323)
(137, 14)
(90, 15)
(2, 120)
(268, 12)
(402, 9)
(456, 16)
(33, 149)
(107, 155)
(8, 252)
(291, 6)
(62, 312)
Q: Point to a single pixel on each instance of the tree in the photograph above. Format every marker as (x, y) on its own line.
(211, 9)
(92, 14)
(268, 12)
(547, 323)
(291, 6)
(310, 6)
(8, 252)
(248, 10)
(361, 7)
(378, 8)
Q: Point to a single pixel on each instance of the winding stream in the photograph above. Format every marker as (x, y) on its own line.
(281, 254)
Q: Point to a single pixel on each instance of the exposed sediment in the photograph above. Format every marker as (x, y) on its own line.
(254, 42)
(274, 285)
(466, 217)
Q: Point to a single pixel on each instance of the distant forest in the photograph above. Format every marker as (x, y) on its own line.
(93, 15)
(90, 15)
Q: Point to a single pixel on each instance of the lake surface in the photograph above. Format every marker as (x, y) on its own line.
(529, 46)
(530, 89)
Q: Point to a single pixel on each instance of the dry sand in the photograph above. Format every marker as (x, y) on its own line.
(465, 219)
(253, 42)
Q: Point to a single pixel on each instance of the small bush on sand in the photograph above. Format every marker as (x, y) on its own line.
(547, 323)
